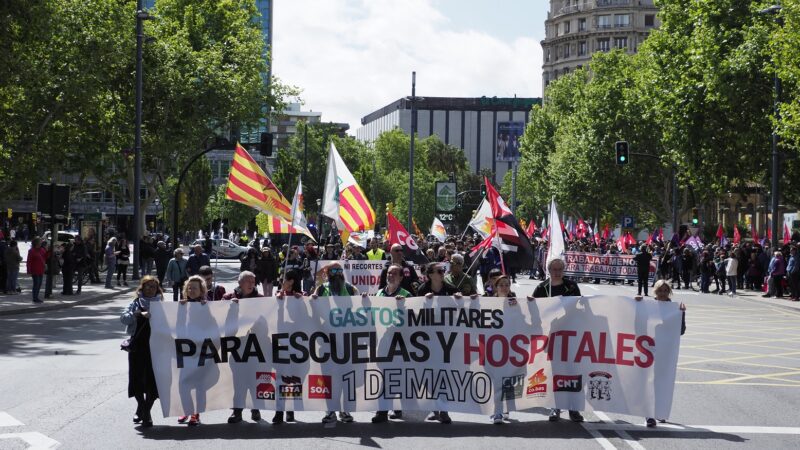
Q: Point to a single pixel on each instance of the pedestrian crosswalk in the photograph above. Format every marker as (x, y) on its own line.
(33, 439)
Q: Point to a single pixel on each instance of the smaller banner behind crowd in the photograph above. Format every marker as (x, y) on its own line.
(374, 353)
(612, 267)
(365, 274)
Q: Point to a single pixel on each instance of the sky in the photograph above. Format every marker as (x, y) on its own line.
(352, 57)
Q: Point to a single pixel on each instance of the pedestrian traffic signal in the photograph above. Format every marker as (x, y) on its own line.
(621, 148)
(483, 190)
(695, 217)
(265, 146)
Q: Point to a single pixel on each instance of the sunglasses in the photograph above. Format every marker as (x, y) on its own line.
(335, 271)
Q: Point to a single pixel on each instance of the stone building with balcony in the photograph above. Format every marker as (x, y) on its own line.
(576, 29)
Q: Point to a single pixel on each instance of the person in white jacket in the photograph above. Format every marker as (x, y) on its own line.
(731, 266)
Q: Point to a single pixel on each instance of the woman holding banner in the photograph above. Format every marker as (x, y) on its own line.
(141, 380)
(290, 287)
(502, 288)
(663, 293)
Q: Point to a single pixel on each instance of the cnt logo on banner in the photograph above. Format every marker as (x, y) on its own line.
(465, 355)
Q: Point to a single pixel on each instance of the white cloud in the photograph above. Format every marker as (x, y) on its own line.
(352, 57)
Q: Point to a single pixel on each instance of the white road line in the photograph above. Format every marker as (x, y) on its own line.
(36, 441)
(662, 427)
(7, 421)
(594, 288)
(605, 443)
(621, 433)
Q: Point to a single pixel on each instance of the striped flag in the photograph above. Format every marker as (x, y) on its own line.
(249, 185)
(276, 225)
(344, 201)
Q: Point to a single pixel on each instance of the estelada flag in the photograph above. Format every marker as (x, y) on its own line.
(249, 185)
(344, 201)
(736, 236)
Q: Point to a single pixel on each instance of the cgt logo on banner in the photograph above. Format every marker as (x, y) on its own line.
(461, 355)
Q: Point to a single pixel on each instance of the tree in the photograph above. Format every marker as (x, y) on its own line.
(197, 186)
(236, 216)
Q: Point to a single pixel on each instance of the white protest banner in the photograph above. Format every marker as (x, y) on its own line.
(375, 353)
(364, 274)
(614, 267)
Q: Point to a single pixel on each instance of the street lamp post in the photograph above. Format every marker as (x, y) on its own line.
(411, 151)
(141, 16)
(775, 11)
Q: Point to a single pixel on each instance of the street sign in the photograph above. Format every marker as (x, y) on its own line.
(53, 198)
(445, 196)
(93, 216)
(446, 217)
(628, 222)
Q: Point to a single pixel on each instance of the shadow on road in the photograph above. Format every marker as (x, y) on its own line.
(62, 330)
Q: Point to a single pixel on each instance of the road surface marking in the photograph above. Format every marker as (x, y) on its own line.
(621, 433)
(7, 421)
(35, 440)
(692, 428)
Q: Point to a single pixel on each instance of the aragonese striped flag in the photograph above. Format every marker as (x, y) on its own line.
(276, 225)
(249, 185)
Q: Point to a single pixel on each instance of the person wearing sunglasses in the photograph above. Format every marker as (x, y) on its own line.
(410, 280)
(335, 286)
(436, 285)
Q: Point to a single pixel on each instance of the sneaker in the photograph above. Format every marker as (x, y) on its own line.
(345, 417)
(330, 417)
(396, 415)
(236, 416)
(575, 416)
(506, 416)
(380, 417)
(278, 417)
(125, 283)
(118, 283)
(255, 415)
(497, 419)
(662, 420)
(444, 418)
(183, 419)
(555, 415)
(434, 415)
(194, 420)
(651, 423)
(290, 416)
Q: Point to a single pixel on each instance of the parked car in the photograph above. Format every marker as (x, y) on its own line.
(223, 248)
(62, 237)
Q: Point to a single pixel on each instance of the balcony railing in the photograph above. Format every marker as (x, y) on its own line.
(589, 6)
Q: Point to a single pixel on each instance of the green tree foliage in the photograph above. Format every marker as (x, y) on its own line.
(235, 215)
(197, 188)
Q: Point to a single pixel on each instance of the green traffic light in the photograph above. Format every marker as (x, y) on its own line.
(694, 221)
(622, 158)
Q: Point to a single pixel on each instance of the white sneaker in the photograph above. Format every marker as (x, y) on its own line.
(345, 417)
(330, 417)
(497, 418)
(506, 416)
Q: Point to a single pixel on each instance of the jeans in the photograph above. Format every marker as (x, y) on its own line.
(11, 279)
(37, 286)
(112, 267)
(176, 291)
(642, 283)
(732, 284)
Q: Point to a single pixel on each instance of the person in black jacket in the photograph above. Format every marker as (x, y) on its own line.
(162, 257)
(642, 260)
(81, 257)
(555, 286)
(266, 271)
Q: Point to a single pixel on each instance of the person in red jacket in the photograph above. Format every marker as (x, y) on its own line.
(37, 256)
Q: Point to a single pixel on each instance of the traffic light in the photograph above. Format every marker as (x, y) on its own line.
(483, 190)
(265, 146)
(695, 217)
(622, 152)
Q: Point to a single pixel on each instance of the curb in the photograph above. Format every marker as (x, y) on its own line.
(757, 299)
(34, 309)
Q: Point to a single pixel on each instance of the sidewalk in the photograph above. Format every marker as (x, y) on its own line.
(756, 297)
(23, 303)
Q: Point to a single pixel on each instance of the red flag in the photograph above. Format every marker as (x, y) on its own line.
(531, 229)
(545, 232)
(769, 234)
(606, 232)
(499, 207)
(736, 236)
(398, 233)
(720, 232)
(621, 244)
(753, 232)
(582, 229)
(484, 245)
(597, 238)
(787, 234)
(649, 240)
(629, 240)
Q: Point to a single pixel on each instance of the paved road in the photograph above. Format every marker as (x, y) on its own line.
(64, 382)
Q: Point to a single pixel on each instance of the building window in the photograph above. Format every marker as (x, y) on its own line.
(582, 48)
(566, 27)
(566, 51)
(650, 20)
(581, 24)
(604, 21)
(547, 55)
(620, 42)
(622, 20)
(603, 45)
